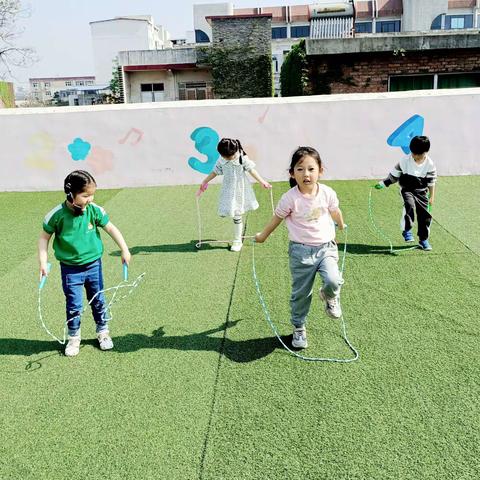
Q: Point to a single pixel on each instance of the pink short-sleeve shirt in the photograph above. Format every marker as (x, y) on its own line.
(308, 218)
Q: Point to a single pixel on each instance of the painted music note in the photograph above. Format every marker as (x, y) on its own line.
(262, 117)
(137, 132)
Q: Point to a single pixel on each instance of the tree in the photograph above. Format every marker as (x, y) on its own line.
(115, 85)
(10, 54)
(294, 72)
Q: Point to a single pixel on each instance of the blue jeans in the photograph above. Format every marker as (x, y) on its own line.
(74, 278)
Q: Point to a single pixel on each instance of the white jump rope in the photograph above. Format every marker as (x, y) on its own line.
(123, 284)
(262, 300)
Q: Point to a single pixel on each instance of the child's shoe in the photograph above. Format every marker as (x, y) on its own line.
(236, 246)
(424, 245)
(73, 346)
(408, 235)
(299, 339)
(105, 341)
(332, 305)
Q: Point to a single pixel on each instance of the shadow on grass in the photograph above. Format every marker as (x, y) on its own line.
(240, 351)
(172, 248)
(363, 249)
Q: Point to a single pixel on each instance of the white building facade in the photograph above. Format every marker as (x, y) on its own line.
(123, 33)
(43, 89)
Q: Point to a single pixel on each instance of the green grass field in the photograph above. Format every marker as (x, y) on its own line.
(198, 387)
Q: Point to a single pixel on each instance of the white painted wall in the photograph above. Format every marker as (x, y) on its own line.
(350, 132)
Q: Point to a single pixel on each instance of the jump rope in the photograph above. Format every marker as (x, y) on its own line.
(381, 234)
(262, 300)
(122, 285)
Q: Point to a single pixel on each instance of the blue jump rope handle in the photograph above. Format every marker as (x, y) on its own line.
(44, 277)
(125, 272)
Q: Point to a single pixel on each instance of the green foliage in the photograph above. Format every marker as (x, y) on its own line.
(115, 85)
(294, 72)
(238, 72)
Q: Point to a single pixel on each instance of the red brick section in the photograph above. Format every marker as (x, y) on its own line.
(369, 72)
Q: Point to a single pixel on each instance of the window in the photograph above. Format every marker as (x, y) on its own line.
(363, 27)
(388, 26)
(89, 82)
(437, 23)
(411, 82)
(46, 84)
(194, 91)
(300, 32)
(35, 84)
(152, 92)
(279, 32)
(79, 83)
(459, 80)
(48, 93)
(68, 83)
(453, 22)
(201, 37)
(275, 63)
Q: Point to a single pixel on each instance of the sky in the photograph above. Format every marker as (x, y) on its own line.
(59, 30)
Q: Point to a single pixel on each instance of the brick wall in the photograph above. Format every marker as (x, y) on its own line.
(369, 72)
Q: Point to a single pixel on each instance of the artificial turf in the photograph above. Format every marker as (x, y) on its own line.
(198, 387)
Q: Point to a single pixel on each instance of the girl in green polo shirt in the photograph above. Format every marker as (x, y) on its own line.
(79, 248)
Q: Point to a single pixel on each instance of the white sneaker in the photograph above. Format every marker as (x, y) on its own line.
(73, 346)
(105, 341)
(299, 339)
(332, 305)
(236, 246)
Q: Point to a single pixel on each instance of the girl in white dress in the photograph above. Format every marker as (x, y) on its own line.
(237, 196)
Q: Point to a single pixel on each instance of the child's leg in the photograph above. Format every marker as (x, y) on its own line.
(409, 211)
(237, 228)
(328, 270)
(303, 269)
(94, 284)
(73, 279)
(424, 219)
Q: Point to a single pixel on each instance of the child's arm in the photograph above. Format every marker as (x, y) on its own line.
(338, 218)
(431, 196)
(117, 237)
(259, 179)
(269, 228)
(43, 242)
(204, 184)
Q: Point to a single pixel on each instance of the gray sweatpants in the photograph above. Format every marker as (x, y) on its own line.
(305, 262)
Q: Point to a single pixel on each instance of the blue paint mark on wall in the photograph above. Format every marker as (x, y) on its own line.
(402, 136)
(79, 149)
(206, 141)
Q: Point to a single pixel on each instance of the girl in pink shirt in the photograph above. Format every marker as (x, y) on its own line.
(309, 210)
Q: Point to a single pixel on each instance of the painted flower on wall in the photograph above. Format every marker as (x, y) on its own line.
(79, 149)
(100, 159)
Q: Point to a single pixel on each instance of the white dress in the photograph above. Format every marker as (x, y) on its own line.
(236, 196)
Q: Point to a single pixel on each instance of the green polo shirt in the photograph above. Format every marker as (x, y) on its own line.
(77, 238)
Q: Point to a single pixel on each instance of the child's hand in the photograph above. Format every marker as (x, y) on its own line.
(260, 237)
(266, 185)
(379, 186)
(202, 188)
(126, 256)
(43, 270)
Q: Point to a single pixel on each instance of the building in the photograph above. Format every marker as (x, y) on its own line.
(164, 75)
(132, 32)
(87, 95)
(44, 89)
(400, 45)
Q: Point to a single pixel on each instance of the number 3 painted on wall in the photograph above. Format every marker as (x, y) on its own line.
(206, 141)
